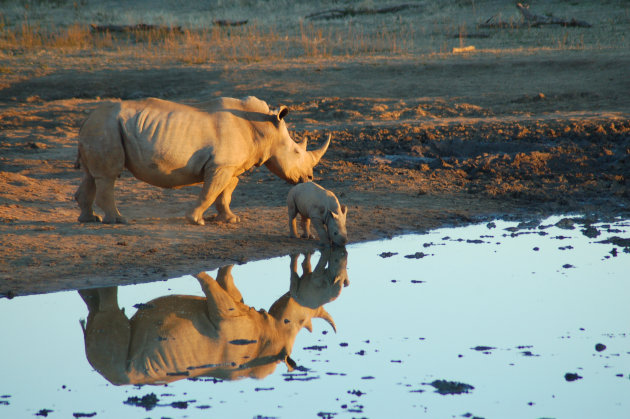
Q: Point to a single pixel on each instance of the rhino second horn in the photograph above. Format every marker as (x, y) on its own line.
(317, 154)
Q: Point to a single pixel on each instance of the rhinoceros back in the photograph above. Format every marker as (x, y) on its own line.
(166, 144)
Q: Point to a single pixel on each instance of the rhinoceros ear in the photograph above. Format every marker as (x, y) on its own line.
(344, 209)
(282, 112)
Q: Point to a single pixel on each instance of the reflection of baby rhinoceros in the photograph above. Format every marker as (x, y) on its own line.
(182, 336)
(321, 206)
(171, 145)
(322, 285)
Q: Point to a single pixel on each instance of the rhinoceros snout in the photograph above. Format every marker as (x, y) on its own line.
(305, 178)
(340, 240)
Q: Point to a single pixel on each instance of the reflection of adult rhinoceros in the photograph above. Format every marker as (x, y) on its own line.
(181, 336)
(171, 145)
(322, 285)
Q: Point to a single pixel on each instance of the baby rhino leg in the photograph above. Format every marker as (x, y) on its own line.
(322, 232)
(292, 219)
(306, 227)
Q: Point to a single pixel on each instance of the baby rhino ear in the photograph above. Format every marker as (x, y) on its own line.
(344, 209)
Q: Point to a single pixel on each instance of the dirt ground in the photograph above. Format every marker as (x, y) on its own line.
(417, 143)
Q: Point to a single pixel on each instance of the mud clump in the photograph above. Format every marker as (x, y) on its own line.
(484, 349)
(591, 232)
(417, 255)
(148, 401)
(451, 387)
(571, 376)
(387, 254)
(617, 241)
(566, 224)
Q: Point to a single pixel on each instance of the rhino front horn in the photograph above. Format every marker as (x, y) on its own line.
(323, 314)
(317, 154)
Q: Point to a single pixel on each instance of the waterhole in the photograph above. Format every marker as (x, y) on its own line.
(500, 319)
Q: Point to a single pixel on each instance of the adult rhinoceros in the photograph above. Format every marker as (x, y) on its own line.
(184, 336)
(171, 145)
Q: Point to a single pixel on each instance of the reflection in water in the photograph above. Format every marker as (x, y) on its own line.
(324, 284)
(486, 306)
(183, 336)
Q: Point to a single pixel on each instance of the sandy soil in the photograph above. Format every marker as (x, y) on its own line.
(417, 144)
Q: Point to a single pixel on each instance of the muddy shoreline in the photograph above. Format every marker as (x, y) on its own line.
(581, 171)
(409, 153)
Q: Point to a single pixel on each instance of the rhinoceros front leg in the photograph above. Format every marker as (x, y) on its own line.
(215, 182)
(222, 204)
(322, 232)
(306, 228)
(323, 261)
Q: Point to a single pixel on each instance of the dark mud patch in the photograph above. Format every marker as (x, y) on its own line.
(617, 241)
(180, 404)
(571, 376)
(388, 254)
(84, 415)
(417, 255)
(482, 348)
(242, 342)
(303, 376)
(445, 387)
(148, 401)
(315, 348)
(143, 306)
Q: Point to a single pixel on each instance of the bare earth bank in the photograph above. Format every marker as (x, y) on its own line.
(416, 145)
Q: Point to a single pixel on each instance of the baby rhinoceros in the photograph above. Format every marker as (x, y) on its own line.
(321, 206)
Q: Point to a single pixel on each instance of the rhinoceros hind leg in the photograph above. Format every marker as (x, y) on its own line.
(215, 182)
(106, 201)
(85, 198)
(93, 218)
(222, 204)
